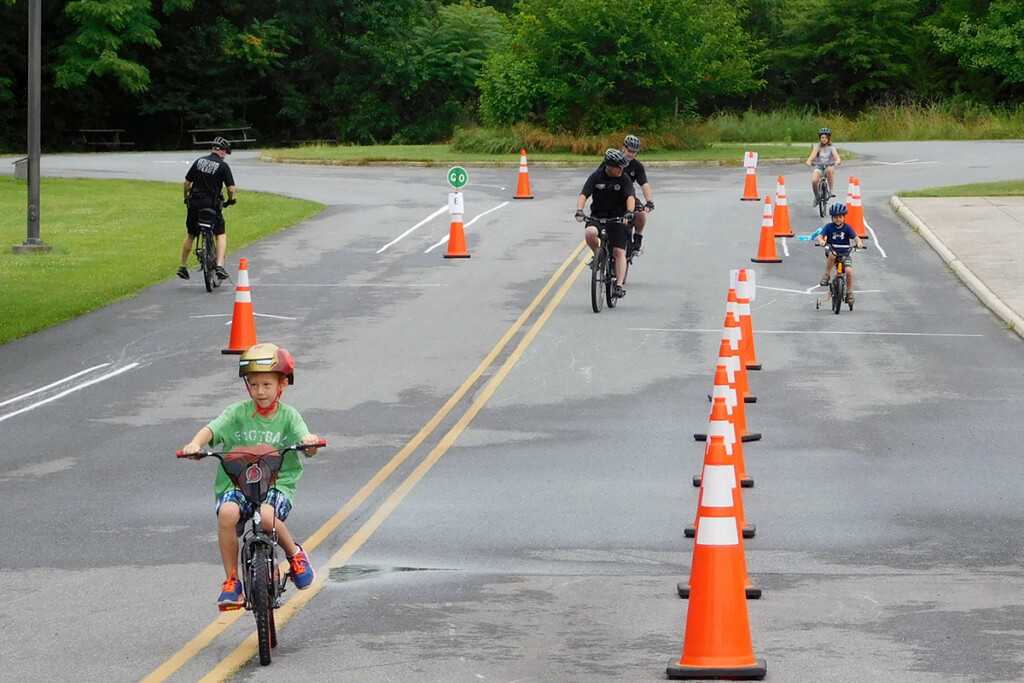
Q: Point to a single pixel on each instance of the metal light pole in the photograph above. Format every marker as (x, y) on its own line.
(32, 242)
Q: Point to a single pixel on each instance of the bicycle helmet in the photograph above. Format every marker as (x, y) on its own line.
(838, 209)
(632, 143)
(825, 131)
(221, 143)
(615, 157)
(267, 358)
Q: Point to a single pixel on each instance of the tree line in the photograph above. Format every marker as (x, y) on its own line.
(413, 71)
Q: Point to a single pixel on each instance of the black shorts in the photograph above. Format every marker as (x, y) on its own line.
(197, 203)
(618, 232)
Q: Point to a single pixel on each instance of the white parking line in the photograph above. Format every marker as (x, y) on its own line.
(64, 393)
(849, 332)
(410, 230)
(52, 385)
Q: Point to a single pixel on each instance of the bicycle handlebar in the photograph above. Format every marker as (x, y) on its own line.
(206, 453)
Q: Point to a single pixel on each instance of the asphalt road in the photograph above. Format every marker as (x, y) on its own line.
(508, 476)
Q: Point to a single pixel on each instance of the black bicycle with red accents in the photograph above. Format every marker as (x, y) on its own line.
(254, 469)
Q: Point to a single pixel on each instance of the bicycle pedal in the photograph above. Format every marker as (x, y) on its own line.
(229, 608)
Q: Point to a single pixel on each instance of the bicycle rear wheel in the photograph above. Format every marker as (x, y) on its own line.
(261, 576)
(208, 260)
(597, 279)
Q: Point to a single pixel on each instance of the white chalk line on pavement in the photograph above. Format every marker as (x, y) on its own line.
(79, 387)
(445, 240)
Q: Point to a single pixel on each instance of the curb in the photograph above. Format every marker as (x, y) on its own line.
(1012, 319)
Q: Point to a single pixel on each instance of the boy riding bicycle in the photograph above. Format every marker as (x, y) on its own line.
(838, 235)
(267, 370)
(824, 157)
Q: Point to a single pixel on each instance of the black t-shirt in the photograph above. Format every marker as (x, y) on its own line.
(209, 174)
(636, 173)
(608, 194)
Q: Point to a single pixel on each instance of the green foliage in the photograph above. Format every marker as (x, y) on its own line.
(597, 65)
(995, 42)
(844, 53)
(106, 28)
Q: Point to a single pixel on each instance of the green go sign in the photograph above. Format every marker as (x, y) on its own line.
(457, 177)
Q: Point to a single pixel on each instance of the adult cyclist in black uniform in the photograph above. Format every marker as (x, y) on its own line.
(202, 188)
(636, 172)
(612, 193)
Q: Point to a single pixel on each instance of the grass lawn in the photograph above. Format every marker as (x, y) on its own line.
(439, 155)
(107, 246)
(1003, 188)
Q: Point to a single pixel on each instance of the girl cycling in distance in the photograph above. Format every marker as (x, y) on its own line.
(824, 157)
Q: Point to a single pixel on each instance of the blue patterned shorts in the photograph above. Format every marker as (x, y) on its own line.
(274, 498)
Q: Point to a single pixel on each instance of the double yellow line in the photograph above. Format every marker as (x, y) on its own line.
(244, 652)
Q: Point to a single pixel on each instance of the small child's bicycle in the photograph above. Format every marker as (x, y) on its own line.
(837, 285)
(253, 469)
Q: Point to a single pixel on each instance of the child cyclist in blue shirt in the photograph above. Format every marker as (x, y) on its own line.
(838, 236)
(267, 370)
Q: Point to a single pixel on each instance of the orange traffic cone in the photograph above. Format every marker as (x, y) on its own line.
(849, 197)
(750, 185)
(243, 326)
(766, 247)
(734, 333)
(523, 189)
(717, 642)
(456, 239)
(734, 402)
(722, 424)
(747, 350)
(730, 459)
(856, 214)
(782, 228)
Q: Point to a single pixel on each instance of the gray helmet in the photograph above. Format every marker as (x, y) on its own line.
(221, 143)
(615, 157)
(632, 143)
(825, 131)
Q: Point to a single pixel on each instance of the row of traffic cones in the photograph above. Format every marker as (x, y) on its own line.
(717, 642)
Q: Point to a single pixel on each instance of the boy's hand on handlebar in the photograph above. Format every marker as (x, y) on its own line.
(309, 440)
(189, 451)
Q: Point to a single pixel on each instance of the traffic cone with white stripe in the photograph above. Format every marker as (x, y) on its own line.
(750, 184)
(456, 239)
(243, 326)
(766, 247)
(782, 228)
(856, 214)
(721, 424)
(743, 295)
(729, 388)
(523, 188)
(717, 642)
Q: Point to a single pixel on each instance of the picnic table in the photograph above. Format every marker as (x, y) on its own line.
(203, 137)
(104, 137)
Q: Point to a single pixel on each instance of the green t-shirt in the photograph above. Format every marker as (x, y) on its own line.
(236, 426)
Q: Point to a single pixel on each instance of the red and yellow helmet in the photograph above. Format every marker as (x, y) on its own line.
(267, 358)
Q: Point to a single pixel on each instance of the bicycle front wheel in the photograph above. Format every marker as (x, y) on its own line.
(838, 293)
(823, 193)
(262, 573)
(597, 280)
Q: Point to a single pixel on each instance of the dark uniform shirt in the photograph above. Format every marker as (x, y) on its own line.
(209, 174)
(608, 194)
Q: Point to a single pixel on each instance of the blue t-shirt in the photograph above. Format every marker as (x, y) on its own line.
(841, 237)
